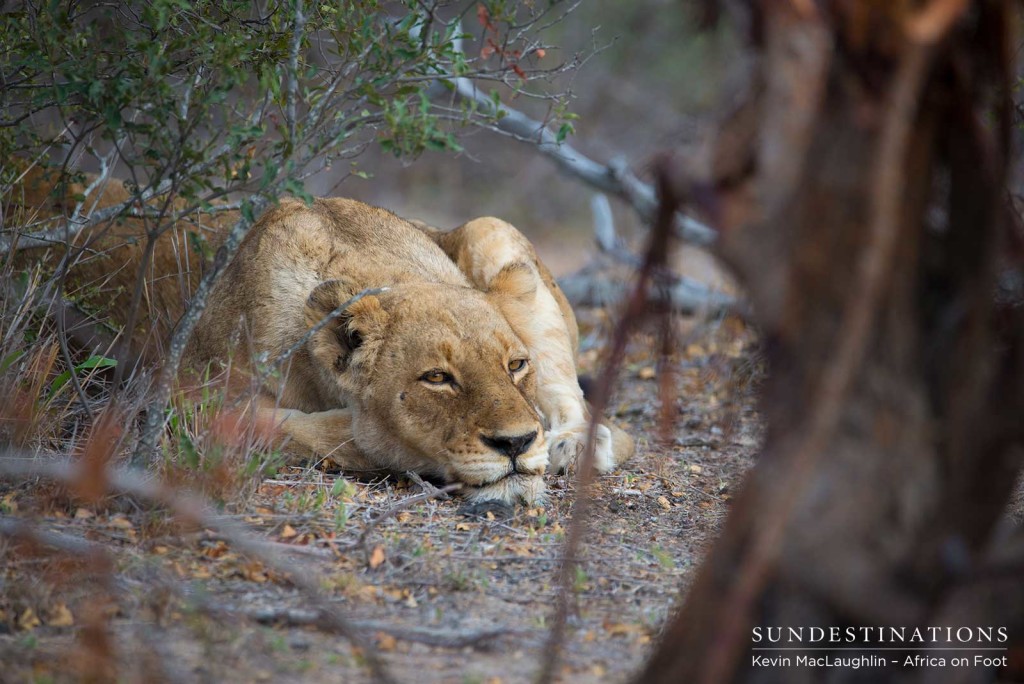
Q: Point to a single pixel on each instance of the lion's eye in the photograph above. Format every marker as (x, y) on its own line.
(436, 377)
(516, 365)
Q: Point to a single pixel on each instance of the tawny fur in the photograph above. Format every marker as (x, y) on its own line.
(466, 302)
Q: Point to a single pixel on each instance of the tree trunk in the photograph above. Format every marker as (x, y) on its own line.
(861, 198)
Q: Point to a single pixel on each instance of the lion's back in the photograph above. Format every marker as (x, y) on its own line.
(295, 247)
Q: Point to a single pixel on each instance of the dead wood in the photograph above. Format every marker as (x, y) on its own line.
(194, 511)
(891, 450)
(430, 636)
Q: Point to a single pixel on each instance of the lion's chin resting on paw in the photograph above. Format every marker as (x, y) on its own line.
(461, 366)
(517, 488)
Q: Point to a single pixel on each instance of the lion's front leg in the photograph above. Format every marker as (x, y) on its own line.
(569, 420)
(322, 434)
(484, 247)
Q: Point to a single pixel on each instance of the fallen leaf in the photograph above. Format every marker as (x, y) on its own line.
(28, 620)
(695, 350)
(287, 532)
(83, 514)
(254, 572)
(647, 373)
(60, 616)
(664, 503)
(619, 629)
(376, 557)
(462, 527)
(216, 550)
(386, 642)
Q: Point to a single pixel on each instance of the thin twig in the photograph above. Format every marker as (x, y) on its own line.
(70, 229)
(635, 313)
(74, 546)
(435, 493)
(319, 325)
(155, 414)
(431, 636)
(615, 178)
(293, 70)
(191, 509)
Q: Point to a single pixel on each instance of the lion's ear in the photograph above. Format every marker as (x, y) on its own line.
(518, 282)
(363, 321)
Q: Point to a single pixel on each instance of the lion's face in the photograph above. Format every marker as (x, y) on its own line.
(437, 381)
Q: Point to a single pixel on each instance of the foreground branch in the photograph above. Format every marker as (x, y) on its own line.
(196, 511)
(637, 310)
(155, 414)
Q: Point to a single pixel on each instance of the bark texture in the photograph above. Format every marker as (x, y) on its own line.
(860, 195)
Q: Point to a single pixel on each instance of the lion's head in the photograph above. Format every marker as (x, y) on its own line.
(434, 376)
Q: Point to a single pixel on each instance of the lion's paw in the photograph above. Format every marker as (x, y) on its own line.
(567, 447)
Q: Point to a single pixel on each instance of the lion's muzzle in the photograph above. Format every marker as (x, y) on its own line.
(511, 446)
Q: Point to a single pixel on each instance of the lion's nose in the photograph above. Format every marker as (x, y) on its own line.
(511, 446)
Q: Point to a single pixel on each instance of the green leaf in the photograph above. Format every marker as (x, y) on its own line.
(90, 363)
(10, 360)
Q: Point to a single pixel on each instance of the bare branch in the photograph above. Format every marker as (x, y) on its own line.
(431, 636)
(155, 414)
(301, 342)
(604, 222)
(398, 507)
(615, 178)
(590, 287)
(635, 313)
(70, 229)
(196, 511)
(74, 546)
(293, 70)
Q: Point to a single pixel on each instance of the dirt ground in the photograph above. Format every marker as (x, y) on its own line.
(442, 597)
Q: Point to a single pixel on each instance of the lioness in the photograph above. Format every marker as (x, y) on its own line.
(462, 368)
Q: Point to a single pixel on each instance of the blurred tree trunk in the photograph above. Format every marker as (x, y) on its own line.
(861, 198)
